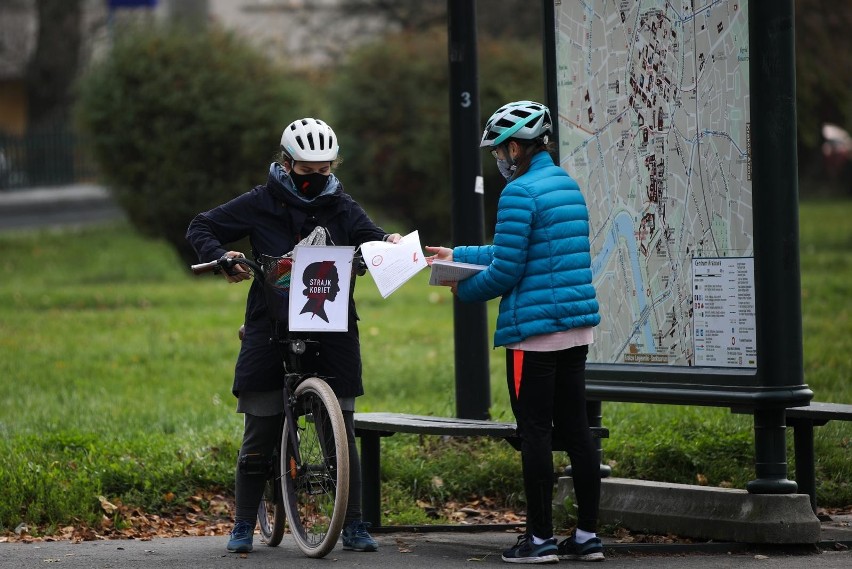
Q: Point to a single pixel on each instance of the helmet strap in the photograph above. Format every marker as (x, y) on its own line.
(285, 157)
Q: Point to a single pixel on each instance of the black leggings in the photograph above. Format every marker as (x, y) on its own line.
(260, 436)
(548, 395)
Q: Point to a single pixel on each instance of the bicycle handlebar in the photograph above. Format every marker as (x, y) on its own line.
(202, 268)
(225, 263)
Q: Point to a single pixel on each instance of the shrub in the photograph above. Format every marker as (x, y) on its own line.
(390, 104)
(179, 122)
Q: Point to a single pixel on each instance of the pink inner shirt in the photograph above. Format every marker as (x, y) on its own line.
(555, 341)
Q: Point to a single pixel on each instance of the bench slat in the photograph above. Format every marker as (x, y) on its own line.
(428, 425)
(823, 411)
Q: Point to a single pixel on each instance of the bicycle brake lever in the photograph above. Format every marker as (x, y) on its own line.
(227, 264)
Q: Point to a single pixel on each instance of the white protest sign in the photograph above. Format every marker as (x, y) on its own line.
(319, 289)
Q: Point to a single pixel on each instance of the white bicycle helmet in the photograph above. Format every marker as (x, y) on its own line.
(309, 140)
(526, 120)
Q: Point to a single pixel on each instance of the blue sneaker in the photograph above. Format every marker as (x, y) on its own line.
(241, 537)
(525, 551)
(356, 537)
(591, 550)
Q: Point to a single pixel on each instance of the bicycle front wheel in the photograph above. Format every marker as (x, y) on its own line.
(316, 485)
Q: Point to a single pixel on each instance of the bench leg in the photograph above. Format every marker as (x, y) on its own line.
(371, 483)
(594, 412)
(803, 445)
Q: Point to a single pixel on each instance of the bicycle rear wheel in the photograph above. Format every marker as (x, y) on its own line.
(270, 514)
(316, 488)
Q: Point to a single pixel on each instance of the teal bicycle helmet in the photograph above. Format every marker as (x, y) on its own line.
(526, 120)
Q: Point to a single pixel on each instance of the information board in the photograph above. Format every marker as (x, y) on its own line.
(654, 123)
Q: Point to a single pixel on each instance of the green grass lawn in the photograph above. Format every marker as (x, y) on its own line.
(117, 368)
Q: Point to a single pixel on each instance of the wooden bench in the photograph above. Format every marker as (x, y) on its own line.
(371, 427)
(803, 420)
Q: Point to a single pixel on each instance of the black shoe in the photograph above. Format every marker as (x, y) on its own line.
(241, 537)
(525, 551)
(591, 550)
(357, 538)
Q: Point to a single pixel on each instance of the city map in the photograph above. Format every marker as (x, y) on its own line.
(654, 124)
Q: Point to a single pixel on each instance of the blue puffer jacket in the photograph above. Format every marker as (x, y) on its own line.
(540, 261)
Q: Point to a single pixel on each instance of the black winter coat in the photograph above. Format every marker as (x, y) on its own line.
(274, 219)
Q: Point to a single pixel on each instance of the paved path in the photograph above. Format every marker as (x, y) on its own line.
(396, 550)
(76, 205)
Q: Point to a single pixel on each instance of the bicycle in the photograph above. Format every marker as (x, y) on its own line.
(308, 483)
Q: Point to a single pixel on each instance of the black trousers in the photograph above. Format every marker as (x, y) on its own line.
(548, 395)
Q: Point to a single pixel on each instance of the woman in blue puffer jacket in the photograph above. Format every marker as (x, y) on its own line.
(540, 266)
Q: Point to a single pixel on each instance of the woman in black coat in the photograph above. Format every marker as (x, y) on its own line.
(301, 193)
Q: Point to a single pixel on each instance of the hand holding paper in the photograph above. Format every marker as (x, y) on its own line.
(449, 271)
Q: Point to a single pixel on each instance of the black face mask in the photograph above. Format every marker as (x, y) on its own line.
(309, 185)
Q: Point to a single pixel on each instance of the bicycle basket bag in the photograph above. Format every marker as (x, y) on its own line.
(277, 270)
(276, 284)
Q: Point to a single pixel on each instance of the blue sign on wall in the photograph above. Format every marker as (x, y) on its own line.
(132, 3)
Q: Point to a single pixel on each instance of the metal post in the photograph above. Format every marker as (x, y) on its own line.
(473, 393)
(551, 92)
(770, 453)
(776, 229)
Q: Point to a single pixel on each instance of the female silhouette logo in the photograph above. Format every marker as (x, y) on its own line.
(321, 284)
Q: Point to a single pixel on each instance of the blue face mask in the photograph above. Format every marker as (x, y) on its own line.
(506, 169)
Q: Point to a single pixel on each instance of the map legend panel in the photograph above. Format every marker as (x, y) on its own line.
(724, 312)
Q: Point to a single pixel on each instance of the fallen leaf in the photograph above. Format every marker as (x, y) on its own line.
(106, 505)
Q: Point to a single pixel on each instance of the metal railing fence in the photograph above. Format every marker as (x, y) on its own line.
(50, 157)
